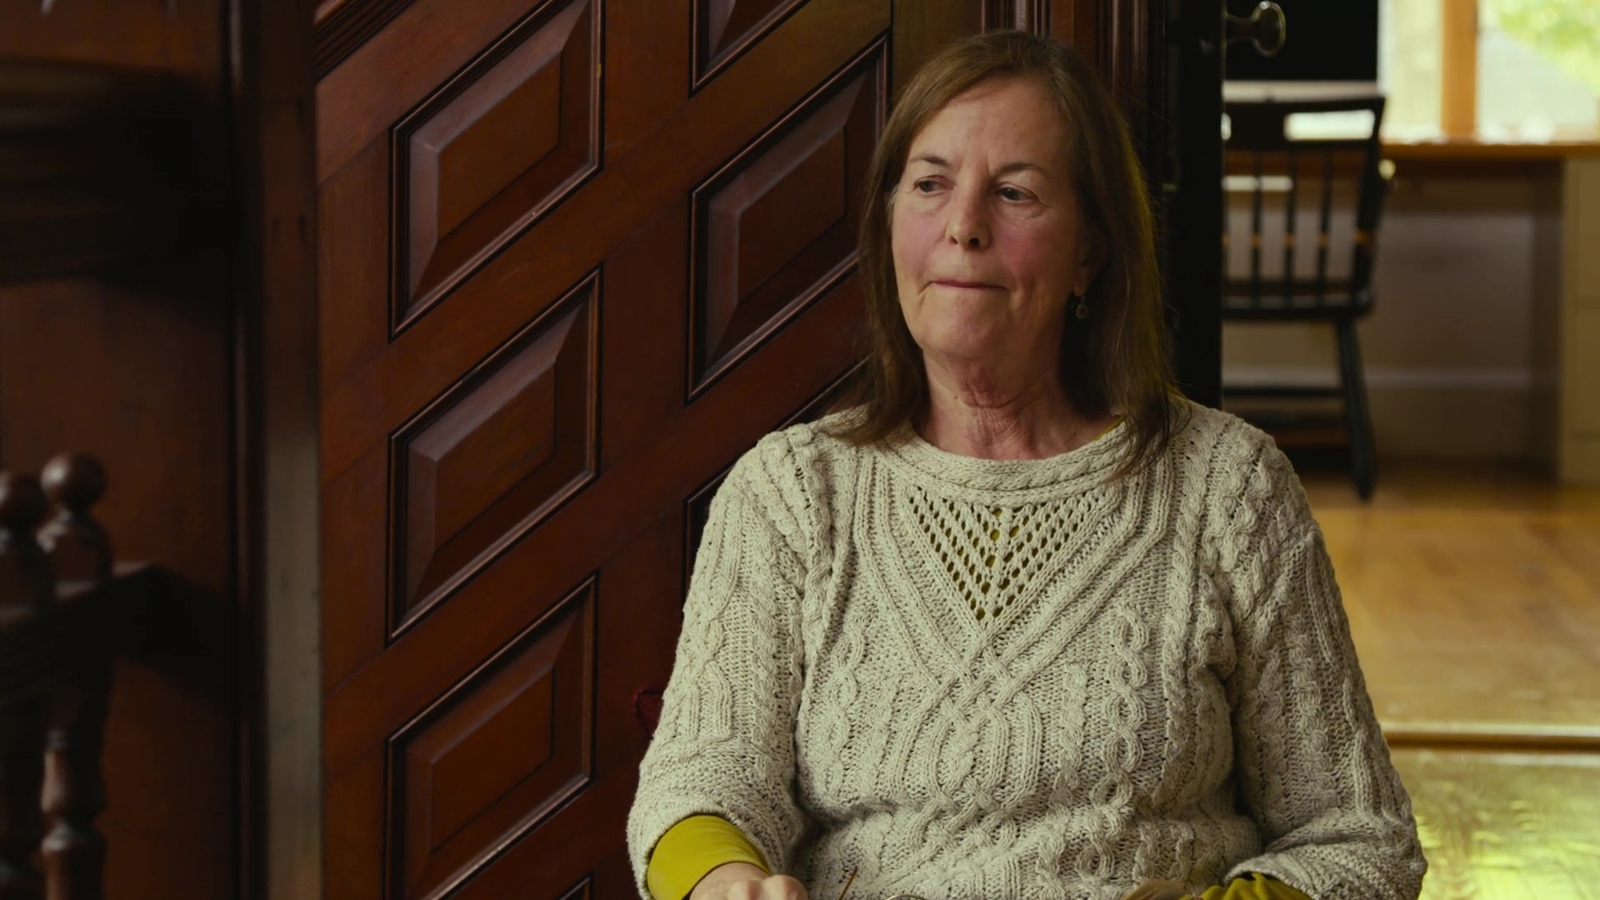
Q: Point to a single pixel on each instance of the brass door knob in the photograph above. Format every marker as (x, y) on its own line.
(1266, 28)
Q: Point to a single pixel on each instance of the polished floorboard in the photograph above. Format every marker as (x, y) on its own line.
(1474, 597)
(1501, 824)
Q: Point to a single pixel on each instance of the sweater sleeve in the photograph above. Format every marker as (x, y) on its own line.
(1311, 764)
(725, 743)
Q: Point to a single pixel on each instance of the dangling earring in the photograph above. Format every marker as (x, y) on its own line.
(1082, 310)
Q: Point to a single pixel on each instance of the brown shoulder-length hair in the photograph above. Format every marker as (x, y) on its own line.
(1113, 361)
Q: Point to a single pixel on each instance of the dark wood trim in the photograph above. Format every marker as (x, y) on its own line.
(1075, 22)
(1131, 38)
(1190, 190)
(1025, 15)
(273, 65)
(1125, 59)
(1163, 61)
(342, 26)
(243, 79)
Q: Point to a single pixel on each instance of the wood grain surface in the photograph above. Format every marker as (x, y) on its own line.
(1474, 598)
(1507, 826)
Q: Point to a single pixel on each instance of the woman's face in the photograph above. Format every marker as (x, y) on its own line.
(988, 242)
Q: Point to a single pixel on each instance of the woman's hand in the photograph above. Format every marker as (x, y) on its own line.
(742, 881)
(1156, 889)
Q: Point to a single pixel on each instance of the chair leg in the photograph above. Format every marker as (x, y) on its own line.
(1358, 421)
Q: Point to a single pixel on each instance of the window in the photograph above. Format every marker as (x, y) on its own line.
(1498, 70)
(1538, 69)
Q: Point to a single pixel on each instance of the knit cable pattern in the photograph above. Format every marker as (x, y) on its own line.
(980, 679)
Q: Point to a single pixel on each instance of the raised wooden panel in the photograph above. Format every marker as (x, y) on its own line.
(495, 455)
(496, 755)
(724, 29)
(493, 150)
(775, 228)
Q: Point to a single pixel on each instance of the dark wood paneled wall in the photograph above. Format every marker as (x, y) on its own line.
(160, 373)
(163, 374)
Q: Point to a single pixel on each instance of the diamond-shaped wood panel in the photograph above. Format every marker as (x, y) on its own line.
(496, 454)
(493, 150)
(723, 29)
(492, 758)
(775, 228)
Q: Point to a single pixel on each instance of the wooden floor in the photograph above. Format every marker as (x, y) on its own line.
(1474, 596)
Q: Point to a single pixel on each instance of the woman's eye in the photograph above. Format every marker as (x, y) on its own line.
(925, 185)
(1011, 193)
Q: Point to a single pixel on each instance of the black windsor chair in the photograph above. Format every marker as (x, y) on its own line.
(1299, 239)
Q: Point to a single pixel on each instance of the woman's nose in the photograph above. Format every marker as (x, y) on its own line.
(968, 224)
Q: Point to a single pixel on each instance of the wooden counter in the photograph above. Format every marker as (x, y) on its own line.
(1475, 150)
(1472, 158)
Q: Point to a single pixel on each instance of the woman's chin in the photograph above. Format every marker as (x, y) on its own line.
(968, 349)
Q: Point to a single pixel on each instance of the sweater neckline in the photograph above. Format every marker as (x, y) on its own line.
(1081, 467)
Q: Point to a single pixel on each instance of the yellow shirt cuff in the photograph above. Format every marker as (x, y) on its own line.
(691, 849)
(1253, 887)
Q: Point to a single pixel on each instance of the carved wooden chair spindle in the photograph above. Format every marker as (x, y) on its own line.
(55, 678)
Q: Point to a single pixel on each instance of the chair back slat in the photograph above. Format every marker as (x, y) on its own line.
(1255, 233)
(1279, 215)
(1325, 228)
(1289, 224)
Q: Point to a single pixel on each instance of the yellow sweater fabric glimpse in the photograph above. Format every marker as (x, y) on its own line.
(1253, 887)
(692, 848)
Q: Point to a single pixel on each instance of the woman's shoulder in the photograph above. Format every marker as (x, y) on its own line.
(1250, 488)
(794, 478)
(797, 461)
(1216, 442)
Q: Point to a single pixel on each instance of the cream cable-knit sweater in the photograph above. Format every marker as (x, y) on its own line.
(999, 680)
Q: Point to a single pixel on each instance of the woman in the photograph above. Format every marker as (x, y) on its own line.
(1019, 622)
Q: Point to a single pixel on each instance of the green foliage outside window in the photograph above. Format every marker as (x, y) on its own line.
(1565, 32)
